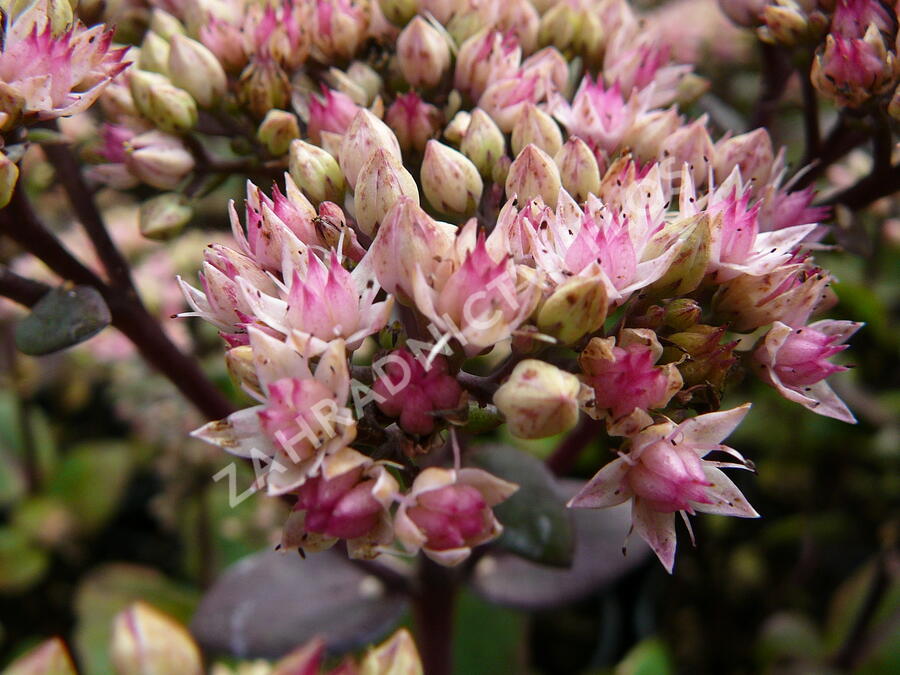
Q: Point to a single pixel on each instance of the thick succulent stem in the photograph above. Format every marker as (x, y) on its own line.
(433, 613)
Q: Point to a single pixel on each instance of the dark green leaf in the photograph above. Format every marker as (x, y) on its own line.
(536, 523)
(62, 318)
(269, 603)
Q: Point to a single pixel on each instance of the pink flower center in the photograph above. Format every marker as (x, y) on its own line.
(454, 516)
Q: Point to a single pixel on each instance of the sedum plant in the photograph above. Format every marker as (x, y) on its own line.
(458, 216)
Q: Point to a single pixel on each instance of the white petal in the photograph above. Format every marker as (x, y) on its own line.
(239, 433)
(658, 530)
(606, 488)
(727, 499)
(705, 432)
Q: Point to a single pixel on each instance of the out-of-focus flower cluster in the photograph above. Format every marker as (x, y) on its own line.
(855, 43)
(507, 188)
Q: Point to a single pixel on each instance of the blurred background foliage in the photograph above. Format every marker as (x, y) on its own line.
(105, 499)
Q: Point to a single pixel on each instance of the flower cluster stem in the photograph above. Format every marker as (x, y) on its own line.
(433, 613)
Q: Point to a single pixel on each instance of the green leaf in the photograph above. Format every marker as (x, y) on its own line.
(75, 482)
(110, 589)
(649, 657)
(62, 318)
(21, 563)
(536, 523)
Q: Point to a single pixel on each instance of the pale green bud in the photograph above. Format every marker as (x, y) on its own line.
(578, 169)
(164, 216)
(196, 70)
(9, 176)
(277, 130)
(168, 107)
(483, 142)
(533, 174)
(316, 172)
(147, 641)
(165, 25)
(450, 180)
(381, 182)
(154, 54)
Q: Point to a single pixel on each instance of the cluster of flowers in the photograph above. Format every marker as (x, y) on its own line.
(603, 253)
(855, 43)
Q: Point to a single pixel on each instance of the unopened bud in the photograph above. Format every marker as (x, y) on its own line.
(752, 152)
(147, 641)
(535, 126)
(456, 128)
(165, 25)
(316, 172)
(533, 174)
(168, 107)
(578, 169)
(264, 86)
(242, 368)
(577, 307)
(785, 23)
(9, 176)
(196, 70)
(483, 142)
(649, 132)
(164, 216)
(154, 55)
(450, 180)
(365, 135)
(48, 658)
(539, 400)
(422, 53)
(158, 159)
(399, 12)
(689, 266)
(396, 656)
(366, 78)
(381, 182)
(277, 130)
(682, 313)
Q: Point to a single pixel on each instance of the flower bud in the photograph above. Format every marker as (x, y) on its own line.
(533, 174)
(168, 107)
(263, 86)
(196, 70)
(154, 54)
(649, 131)
(381, 181)
(408, 238)
(277, 130)
(164, 216)
(340, 29)
(332, 111)
(446, 513)
(396, 656)
(412, 392)
(483, 142)
(158, 159)
(710, 359)
(316, 172)
(48, 658)
(689, 266)
(785, 22)
(682, 313)
(456, 128)
(9, 176)
(147, 641)
(578, 169)
(165, 25)
(413, 121)
(242, 368)
(422, 54)
(540, 400)
(577, 307)
(690, 145)
(450, 181)
(850, 71)
(486, 57)
(537, 127)
(399, 12)
(752, 152)
(365, 135)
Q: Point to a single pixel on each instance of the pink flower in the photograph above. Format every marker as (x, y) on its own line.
(601, 116)
(625, 381)
(332, 111)
(663, 471)
(413, 390)
(852, 70)
(44, 75)
(322, 300)
(473, 297)
(301, 419)
(447, 512)
(487, 57)
(349, 500)
(413, 121)
(795, 362)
